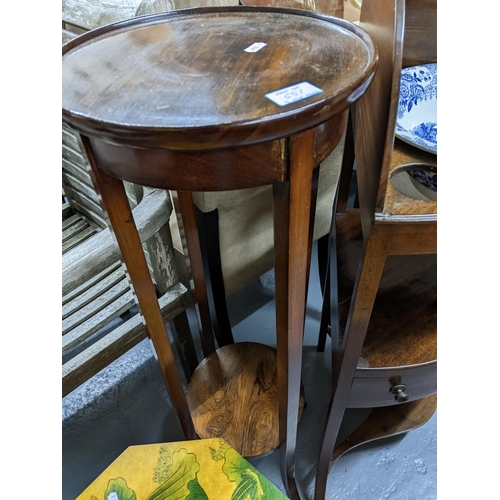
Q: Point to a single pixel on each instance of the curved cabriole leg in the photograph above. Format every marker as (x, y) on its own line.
(334, 419)
(363, 298)
(382, 423)
(388, 421)
(292, 206)
(118, 209)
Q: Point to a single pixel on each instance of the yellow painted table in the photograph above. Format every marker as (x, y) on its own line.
(206, 469)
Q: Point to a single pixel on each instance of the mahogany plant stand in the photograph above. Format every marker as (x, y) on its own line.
(218, 99)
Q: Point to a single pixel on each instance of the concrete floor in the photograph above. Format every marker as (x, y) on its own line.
(127, 404)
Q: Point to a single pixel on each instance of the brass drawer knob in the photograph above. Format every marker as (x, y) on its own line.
(399, 393)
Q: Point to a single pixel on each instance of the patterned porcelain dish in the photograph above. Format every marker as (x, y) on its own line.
(417, 110)
(425, 181)
(416, 180)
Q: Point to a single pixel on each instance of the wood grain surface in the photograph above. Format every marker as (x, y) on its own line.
(420, 45)
(292, 203)
(384, 21)
(213, 170)
(402, 328)
(396, 203)
(187, 75)
(233, 394)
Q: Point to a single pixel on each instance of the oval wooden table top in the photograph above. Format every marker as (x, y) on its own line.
(213, 77)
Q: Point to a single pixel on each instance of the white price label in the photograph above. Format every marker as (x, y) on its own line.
(255, 47)
(113, 496)
(293, 93)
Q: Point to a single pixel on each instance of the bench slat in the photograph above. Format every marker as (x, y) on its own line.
(93, 308)
(91, 282)
(78, 238)
(74, 157)
(82, 187)
(80, 173)
(86, 206)
(92, 293)
(74, 229)
(93, 324)
(97, 356)
(70, 220)
(69, 138)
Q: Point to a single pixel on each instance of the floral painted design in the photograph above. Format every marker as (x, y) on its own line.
(425, 178)
(118, 490)
(417, 84)
(427, 131)
(219, 453)
(189, 470)
(251, 485)
(181, 479)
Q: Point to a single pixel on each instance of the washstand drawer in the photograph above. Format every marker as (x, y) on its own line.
(391, 386)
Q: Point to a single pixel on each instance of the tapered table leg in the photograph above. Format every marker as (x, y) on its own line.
(292, 206)
(118, 209)
(362, 301)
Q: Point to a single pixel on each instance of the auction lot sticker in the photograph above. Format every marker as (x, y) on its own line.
(294, 93)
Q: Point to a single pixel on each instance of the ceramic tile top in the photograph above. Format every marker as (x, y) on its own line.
(207, 469)
(417, 109)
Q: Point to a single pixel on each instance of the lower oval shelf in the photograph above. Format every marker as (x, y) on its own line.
(233, 395)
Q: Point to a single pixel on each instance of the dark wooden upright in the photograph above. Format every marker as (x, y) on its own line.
(384, 344)
(175, 101)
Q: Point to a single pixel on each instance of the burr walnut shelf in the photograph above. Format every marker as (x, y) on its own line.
(233, 394)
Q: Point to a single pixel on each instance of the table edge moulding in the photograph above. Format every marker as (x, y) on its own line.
(283, 150)
(281, 124)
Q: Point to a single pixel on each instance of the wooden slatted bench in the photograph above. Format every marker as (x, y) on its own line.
(100, 319)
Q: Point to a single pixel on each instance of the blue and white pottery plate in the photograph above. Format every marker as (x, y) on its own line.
(416, 123)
